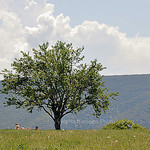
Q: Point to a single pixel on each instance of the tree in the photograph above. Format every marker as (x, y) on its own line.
(123, 125)
(55, 80)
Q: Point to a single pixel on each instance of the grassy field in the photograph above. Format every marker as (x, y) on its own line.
(75, 140)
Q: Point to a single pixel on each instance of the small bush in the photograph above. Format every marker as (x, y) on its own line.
(123, 125)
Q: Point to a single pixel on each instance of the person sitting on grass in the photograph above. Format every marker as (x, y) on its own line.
(17, 126)
(36, 128)
(129, 126)
(22, 128)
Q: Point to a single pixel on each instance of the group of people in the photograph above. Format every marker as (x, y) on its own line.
(22, 128)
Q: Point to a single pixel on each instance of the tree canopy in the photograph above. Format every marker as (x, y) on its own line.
(123, 125)
(55, 79)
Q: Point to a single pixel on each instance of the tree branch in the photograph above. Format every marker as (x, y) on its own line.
(67, 113)
(47, 112)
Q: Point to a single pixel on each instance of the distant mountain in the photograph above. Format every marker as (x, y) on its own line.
(134, 100)
(133, 103)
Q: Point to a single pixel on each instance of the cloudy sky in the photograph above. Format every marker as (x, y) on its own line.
(115, 32)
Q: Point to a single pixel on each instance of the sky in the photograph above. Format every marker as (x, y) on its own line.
(114, 32)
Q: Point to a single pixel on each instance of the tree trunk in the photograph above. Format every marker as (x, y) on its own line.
(57, 122)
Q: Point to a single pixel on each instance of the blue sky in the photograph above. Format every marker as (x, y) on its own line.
(114, 32)
(131, 16)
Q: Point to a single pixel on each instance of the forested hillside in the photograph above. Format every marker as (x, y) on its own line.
(133, 103)
(134, 100)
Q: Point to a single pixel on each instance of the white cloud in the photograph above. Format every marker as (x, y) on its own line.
(34, 23)
(30, 4)
(10, 34)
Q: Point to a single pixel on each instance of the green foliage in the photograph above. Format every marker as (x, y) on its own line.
(75, 139)
(123, 125)
(56, 81)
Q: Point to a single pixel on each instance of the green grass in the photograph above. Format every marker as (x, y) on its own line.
(75, 140)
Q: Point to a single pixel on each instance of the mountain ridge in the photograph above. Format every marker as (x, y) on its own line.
(132, 103)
